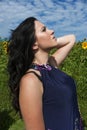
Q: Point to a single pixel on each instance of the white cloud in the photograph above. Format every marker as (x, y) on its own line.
(64, 17)
(1, 19)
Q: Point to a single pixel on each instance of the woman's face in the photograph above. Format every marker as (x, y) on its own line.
(44, 37)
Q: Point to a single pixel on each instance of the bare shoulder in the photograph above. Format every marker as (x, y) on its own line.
(30, 79)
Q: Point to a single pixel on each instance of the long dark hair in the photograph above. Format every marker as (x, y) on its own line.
(20, 56)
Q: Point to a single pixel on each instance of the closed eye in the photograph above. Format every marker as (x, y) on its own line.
(43, 29)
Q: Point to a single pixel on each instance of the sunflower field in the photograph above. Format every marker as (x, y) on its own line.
(74, 65)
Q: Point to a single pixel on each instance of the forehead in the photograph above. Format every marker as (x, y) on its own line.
(38, 25)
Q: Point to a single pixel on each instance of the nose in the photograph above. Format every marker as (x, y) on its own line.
(51, 32)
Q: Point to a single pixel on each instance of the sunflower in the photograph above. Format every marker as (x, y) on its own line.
(84, 45)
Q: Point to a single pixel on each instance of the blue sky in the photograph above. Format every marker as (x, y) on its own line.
(63, 16)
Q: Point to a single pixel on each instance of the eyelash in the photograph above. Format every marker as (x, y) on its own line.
(44, 29)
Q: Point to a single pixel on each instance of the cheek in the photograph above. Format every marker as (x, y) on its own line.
(43, 41)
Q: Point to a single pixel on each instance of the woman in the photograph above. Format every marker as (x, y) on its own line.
(44, 95)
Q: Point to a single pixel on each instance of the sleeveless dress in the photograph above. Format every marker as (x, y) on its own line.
(60, 107)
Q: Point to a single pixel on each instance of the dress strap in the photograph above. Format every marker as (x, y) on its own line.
(39, 77)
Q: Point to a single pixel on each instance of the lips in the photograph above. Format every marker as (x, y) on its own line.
(54, 37)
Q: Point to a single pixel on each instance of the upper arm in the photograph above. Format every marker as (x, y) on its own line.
(64, 46)
(30, 100)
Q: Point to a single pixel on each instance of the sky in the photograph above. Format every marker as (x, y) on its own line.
(63, 16)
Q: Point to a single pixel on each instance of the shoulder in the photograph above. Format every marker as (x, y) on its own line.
(29, 76)
(29, 82)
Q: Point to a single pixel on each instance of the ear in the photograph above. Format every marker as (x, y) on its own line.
(35, 46)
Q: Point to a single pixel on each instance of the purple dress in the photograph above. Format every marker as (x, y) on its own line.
(60, 107)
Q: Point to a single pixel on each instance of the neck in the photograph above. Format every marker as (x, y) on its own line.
(41, 58)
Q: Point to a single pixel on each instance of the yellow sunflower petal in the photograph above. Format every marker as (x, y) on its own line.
(84, 45)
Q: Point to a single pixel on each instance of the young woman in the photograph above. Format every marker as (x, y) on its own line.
(44, 95)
